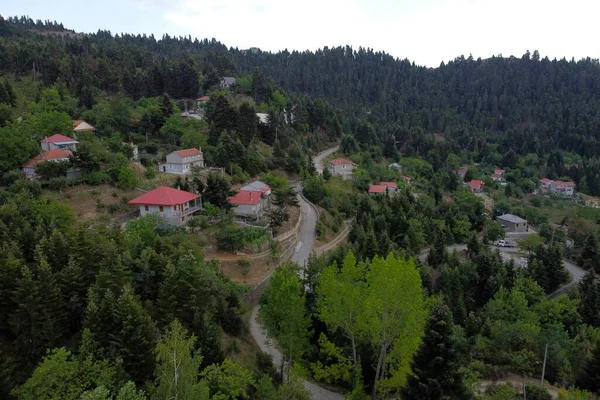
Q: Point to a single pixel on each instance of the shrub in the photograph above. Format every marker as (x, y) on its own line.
(96, 178)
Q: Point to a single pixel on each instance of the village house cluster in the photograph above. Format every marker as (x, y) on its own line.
(178, 206)
(57, 148)
(558, 188)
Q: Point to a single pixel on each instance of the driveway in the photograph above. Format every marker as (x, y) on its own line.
(318, 159)
(304, 247)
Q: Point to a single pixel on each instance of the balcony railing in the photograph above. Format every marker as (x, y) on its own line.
(189, 211)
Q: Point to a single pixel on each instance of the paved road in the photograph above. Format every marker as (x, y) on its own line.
(513, 253)
(304, 247)
(318, 159)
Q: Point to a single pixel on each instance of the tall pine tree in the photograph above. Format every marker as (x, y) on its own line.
(436, 365)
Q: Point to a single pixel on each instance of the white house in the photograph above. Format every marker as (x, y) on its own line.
(175, 206)
(59, 142)
(263, 118)
(498, 175)
(563, 188)
(182, 161)
(227, 81)
(545, 183)
(248, 203)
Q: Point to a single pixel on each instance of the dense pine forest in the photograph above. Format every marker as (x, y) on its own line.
(96, 310)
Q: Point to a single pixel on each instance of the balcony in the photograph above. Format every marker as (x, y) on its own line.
(189, 211)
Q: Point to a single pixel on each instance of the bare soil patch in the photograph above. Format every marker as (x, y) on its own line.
(90, 202)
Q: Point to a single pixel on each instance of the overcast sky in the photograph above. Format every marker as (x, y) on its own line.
(424, 31)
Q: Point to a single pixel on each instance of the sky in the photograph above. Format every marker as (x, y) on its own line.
(426, 31)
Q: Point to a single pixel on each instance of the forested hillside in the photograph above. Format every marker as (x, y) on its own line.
(416, 303)
(483, 109)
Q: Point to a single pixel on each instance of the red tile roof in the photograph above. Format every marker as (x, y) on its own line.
(55, 154)
(247, 197)
(164, 196)
(58, 138)
(341, 161)
(377, 188)
(204, 98)
(476, 183)
(465, 170)
(497, 176)
(188, 152)
(407, 179)
(545, 180)
(499, 171)
(392, 185)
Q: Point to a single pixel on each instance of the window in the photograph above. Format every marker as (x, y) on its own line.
(145, 208)
(161, 208)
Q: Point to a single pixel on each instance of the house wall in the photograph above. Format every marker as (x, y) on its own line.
(53, 146)
(168, 213)
(247, 210)
(512, 226)
(343, 169)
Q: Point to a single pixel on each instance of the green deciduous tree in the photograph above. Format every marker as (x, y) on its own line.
(177, 366)
(340, 301)
(283, 313)
(394, 319)
(59, 376)
(228, 381)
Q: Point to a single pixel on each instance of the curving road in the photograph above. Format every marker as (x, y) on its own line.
(318, 159)
(304, 247)
(513, 253)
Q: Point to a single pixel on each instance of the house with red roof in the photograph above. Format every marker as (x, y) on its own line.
(383, 187)
(203, 99)
(342, 167)
(59, 142)
(462, 172)
(407, 179)
(476, 186)
(174, 205)
(54, 155)
(182, 161)
(376, 189)
(82, 126)
(248, 203)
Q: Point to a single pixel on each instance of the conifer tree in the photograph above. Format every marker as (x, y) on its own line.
(134, 339)
(589, 306)
(436, 367)
(38, 322)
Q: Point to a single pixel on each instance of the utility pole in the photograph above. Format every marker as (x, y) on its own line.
(544, 365)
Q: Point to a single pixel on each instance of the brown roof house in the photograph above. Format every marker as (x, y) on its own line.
(182, 161)
(342, 167)
(54, 155)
